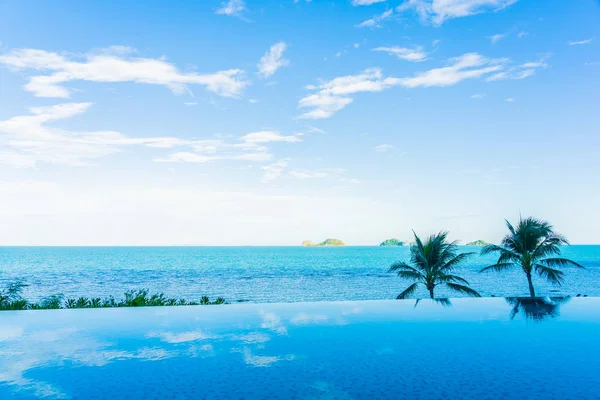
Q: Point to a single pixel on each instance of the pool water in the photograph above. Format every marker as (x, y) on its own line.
(490, 348)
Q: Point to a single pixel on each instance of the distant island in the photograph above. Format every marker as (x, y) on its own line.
(394, 242)
(478, 243)
(326, 243)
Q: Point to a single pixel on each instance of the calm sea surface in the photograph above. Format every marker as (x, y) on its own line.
(259, 274)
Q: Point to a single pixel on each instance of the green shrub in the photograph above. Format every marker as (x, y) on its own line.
(11, 299)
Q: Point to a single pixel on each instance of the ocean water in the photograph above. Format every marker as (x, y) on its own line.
(260, 274)
(474, 349)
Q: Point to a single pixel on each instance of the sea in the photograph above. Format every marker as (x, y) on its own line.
(262, 274)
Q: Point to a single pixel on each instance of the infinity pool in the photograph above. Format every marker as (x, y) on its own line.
(469, 349)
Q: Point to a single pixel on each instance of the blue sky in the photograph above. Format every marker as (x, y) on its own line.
(271, 122)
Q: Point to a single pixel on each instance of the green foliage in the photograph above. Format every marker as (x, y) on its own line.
(478, 243)
(533, 246)
(431, 265)
(393, 242)
(325, 243)
(11, 299)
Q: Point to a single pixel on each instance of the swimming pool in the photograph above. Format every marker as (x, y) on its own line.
(469, 349)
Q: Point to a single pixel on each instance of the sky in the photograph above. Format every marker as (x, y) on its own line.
(270, 122)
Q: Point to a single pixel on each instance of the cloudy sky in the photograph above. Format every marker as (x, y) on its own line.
(268, 122)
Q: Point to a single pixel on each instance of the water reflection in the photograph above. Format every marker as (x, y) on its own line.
(297, 347)
(536, 308)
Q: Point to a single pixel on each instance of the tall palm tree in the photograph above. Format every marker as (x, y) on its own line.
(533, 246)
(432, 264)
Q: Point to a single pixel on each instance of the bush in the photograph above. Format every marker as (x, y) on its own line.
(11, 299)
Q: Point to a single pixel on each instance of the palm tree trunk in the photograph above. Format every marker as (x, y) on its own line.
(531, 289)
(431, 293)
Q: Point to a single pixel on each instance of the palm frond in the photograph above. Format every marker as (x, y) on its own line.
(418, 254)
(498, 267)
(13, 290)
(444, 278)
(455, 261)
(560, 262)
(510, 227)
(402, 266)
(408, 291)
(552, 275)
(417, 276)
(463, 289)
(494, 248)
(550, 245)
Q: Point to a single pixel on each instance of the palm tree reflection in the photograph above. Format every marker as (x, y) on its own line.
(444, 302)
(536, 308)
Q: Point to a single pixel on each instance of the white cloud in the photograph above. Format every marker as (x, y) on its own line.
(269, 136)
(414, 55)
(182, 337)
(253, 337)
(478, 96)
(190, 103)
(509, 100)
(27, 140)
(438, 11)
(307, 319)
(323, 173)
(264, 361)
(365, 2)
(272, 60)
(522, 34)
(435, 42)
(271, 321)
(274, 171)
(233, 8)
(375, 22)
(383, 148)
(312, 129)
(586, 41)
(111, 67)
(332, 96)
(323, 105)
(186, 156)
(467, 66)
(497, 37)
(521, 71)
(252, 101)
(306, 174)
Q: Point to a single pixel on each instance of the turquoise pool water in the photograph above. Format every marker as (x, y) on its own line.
(260, 274)
(471, 349)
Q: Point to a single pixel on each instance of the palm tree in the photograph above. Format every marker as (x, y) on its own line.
(534, 246)
(432, 264)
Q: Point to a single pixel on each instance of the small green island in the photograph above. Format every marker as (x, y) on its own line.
(325, 243)
(394, 242)
(478, 243)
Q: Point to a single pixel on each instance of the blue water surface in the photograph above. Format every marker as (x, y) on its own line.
(259, 274)
(470, 349)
